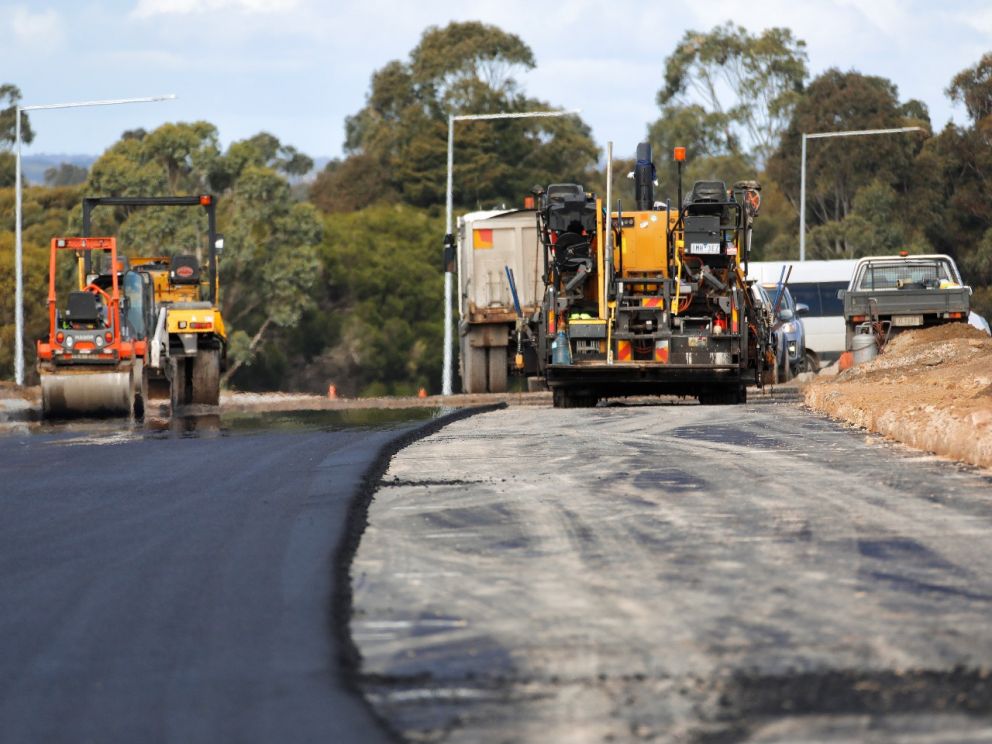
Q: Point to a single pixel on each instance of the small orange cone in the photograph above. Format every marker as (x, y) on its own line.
(422, 393)
(846, 361)
(332, 392)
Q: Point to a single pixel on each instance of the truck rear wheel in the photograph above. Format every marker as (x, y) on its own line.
(474, 368)
(497, 369)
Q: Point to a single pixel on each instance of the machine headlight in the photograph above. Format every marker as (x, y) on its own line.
(789, 327)
(99, 342)
(68, 342)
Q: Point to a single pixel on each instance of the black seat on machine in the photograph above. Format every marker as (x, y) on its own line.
(569, 210)
(708, 191)
(83, 308)
(185, 270)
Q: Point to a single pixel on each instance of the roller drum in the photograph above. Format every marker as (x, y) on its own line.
(67, 394)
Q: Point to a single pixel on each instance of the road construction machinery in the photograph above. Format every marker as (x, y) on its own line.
(651, 300)
(176, 305)
(91, 362)
(500, 288)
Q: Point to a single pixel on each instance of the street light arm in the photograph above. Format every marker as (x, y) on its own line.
(515, 115)
(104, 102)
(861, 132)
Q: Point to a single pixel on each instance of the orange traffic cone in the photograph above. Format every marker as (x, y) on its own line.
(332, 392)
(422, 393)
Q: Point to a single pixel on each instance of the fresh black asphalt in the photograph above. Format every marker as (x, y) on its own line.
(178, 589)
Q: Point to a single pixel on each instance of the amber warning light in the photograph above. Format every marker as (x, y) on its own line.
(205, 200)
(680, 154)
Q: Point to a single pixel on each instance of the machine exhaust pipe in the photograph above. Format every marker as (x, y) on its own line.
(645, 177)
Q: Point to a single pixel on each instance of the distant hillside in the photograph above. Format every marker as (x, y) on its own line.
(34, 166)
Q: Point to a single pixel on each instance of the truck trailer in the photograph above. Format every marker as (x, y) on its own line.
(500, 288)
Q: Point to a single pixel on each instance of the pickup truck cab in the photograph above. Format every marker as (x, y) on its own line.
(903, 292)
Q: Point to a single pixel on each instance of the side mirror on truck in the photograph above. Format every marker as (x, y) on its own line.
(840, 294)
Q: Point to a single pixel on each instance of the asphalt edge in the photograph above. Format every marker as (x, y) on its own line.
(349, 660)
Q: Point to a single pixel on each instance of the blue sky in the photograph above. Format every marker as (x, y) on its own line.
(296, 68)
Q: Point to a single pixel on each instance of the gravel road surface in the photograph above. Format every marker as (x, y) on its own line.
(675, 573)
(162, 588)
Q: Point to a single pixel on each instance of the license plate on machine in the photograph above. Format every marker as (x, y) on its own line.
(704, 249)
(907, 320)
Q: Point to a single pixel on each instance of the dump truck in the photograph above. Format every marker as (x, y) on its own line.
(651, 300)
(889, 294)
(500, 289)
(91, 362)
(176, 307)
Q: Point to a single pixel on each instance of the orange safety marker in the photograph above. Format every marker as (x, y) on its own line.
(624, 351)
(422, 393)
(846, 361)
(332, 392)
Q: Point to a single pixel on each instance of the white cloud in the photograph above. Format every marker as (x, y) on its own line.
(37, 29)
(151, 8)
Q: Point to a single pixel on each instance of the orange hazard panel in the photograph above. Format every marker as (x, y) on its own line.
(652, 302)
(624, 351)
(661, 353)
(482, 239)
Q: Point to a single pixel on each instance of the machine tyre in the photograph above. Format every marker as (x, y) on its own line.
(181, 390)
(562, 398)
(730, 395)
(206, 377)
(497, 369)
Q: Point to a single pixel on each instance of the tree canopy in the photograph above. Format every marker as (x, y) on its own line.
(838, 169)
(731, 92)
(396, 144)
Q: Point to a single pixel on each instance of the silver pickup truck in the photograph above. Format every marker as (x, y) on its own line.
(903, 292)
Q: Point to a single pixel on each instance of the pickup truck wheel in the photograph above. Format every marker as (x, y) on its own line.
(812, 363)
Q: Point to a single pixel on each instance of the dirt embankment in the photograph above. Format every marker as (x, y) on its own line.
(930, 388)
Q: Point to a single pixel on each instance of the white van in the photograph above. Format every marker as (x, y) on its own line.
(814, 284)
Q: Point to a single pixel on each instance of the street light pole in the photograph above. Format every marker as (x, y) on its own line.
(18, 248)
(802, 172)
(446, 371)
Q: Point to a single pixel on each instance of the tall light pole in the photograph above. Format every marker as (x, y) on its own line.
(19, 281)
(802, 175)
(449, 236)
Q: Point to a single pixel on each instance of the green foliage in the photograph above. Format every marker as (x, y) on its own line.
(8, 169)
(739, 88)
(376, 326)
(973, 88)
(397, 143)
(8, 118)
(837, 168)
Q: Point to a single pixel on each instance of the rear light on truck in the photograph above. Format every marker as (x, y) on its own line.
(59, 337)
(859, 318)
(201, 326)
(109, 336)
